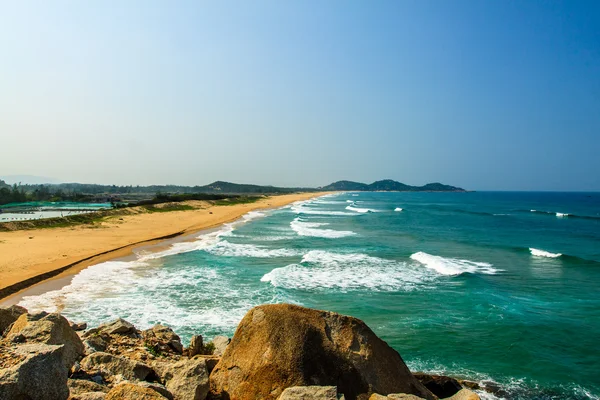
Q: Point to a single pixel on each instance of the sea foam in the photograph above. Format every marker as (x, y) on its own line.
(397, 209)
(452, 266)
(303, 228)
(542, 253)
(228, 249)
(327, 270)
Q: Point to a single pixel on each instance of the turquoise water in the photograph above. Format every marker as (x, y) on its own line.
(450, 281)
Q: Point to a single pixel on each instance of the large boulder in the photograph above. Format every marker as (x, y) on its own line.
(116, 327)
(282, 345)
(465, 394)
(186, 379)
(8, 316)
(309, 393)
(80, 386)
(49, 329)
(108, 365)
(395, 396)
(440, 385)
(130, 391)
(42, 374)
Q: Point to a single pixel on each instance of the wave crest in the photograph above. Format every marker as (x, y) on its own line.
(543, 253)
(452, 266)
(303, 228)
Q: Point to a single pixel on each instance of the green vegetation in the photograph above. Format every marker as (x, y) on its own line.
(152, 349)
(209, 348)
(237, 200)
(168, 208)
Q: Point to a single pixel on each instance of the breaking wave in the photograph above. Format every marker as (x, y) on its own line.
(303, 228)
(452, 266)
(228, 249)
(542, 253)
(327, 270)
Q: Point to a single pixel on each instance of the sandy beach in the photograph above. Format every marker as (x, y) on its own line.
(28, 257)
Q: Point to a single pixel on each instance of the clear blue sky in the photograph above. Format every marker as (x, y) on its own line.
(487, 95)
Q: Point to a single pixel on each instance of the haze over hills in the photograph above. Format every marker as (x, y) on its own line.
(388, 185)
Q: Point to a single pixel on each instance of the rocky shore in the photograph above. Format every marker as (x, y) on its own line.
(278, 351)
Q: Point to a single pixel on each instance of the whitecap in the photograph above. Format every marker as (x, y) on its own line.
(561, 215)
(360, 210)
(327, 270)
(228, 249)
(542, 253)
(398, 209)
(303, 228)
(452, 266)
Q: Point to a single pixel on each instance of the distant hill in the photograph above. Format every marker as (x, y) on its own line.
(389, 185)
(28, 179)
(236, 188)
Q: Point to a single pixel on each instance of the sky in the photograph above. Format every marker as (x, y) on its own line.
(485, 95)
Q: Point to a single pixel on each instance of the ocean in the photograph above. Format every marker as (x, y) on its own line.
(497, 287)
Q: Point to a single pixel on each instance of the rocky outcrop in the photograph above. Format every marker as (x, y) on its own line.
(48, 329)
(395, 396)
(465, 394)
(282, 345)
(186, 379)
(42, 374)
(162, 339)
(310, 393)
(441, 386)
(106, 365)
(8, 316)
(130, 391)
(196, 346)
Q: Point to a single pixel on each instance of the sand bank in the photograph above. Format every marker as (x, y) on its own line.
(28, 257)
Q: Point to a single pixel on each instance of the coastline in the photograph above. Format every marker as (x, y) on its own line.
(48, 258)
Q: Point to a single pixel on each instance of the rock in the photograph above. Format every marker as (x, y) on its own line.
(108, 364)
(8, 316)
(196, 346)
(78, 326)
(186, 379)
(130, 391)
(157, 387)
(49, 329)
(162, 339)
(89, 396)
(211, 361)
(41, 375)
(395, 396)
(221, 343)
(469, 384)
(94, 343)
(465, 394)
(441, 386)
(118, 326)
(79, 386)
(309, 393)
(278, 346)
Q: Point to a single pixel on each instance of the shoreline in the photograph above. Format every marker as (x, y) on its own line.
(46, 276)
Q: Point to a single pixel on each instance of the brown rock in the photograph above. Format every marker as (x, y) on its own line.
(196, 346)
(108, 364)
(441, 386)
(130, 391)
(89, 396)
(309, 393)
(281, 345)
(42, 372)
(465, 394)
(162, 339)
(186, 379)
(48, 329)
(8, 316)
(118, 326)
(80, 386)
(395, 396)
